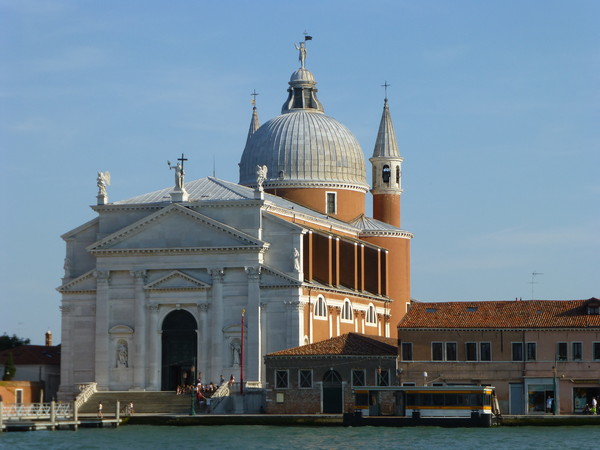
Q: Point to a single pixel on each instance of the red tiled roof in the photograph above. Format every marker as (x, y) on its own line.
(502, 314)
(32, 355)
(350, 344)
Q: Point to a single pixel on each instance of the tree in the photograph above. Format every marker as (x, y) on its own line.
(9, 368)
(13, 341)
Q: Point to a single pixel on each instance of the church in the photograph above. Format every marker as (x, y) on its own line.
(200, 280)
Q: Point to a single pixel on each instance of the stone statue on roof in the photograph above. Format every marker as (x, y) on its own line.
(301, 53)
(102, 181)
(261, 176)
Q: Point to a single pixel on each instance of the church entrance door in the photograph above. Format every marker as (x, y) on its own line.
(179, 350)
(333, 395)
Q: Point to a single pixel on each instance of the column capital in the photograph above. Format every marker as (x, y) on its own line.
(217, 273)
(295, 306)
(153, 308)
(102, 275)
(203, 307)
(253, 272)
(66, 309)
(138, 274)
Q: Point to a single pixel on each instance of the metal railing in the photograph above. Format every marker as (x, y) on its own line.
(35, 410)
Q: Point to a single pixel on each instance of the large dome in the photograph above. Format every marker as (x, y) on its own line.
(303, 148)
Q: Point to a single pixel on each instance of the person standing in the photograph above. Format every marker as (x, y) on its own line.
(549, 404)
(594, 409)
(100, 410)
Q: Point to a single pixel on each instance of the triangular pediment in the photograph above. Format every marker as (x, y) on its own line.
(83, 283)
(177, 281)
(176, 227)
(271, 277)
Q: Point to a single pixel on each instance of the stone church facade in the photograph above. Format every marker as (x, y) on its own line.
(155, 286)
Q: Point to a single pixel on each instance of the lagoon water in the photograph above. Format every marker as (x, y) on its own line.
(271, 437)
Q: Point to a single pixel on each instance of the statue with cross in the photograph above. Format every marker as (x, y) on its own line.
(179, 172)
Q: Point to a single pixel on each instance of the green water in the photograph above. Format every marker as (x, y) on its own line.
(270, 437)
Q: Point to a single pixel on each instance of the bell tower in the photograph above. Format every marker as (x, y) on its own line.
(387, 171)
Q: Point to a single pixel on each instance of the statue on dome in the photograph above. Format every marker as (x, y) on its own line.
(301, 53)
(102, 181)
(261, 176)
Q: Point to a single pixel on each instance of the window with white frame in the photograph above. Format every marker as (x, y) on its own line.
(531, 351)
(517, 351)
(471, 351)
(383, 377)
(371, 316)
(305, 378)
(407, 351)
(451, 351)
(331, 199)
(485, 351)
(320, 307)
(281, 379)
(596, 351)
(358, 377)
(577, 351)
(347, 311)
(437, 351)
(561, 351)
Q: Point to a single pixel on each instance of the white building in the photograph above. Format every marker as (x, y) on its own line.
(155, 285)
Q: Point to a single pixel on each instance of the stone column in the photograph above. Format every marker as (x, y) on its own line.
(254, 348)
(203, 340)
(263, 338)
(139, 336)
(293, 321)
(154, 360)
(216, 366)
(66, 353)
(338, 315)
(102, 362)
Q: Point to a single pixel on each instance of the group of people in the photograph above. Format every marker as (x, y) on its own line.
(128, 410)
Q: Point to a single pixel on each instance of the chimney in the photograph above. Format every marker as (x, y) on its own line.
(48, 338)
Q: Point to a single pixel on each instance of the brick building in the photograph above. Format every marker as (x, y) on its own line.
(529, 350)
(321, 377)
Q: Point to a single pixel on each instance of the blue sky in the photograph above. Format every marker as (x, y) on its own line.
(495, 106)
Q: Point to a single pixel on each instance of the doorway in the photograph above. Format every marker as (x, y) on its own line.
(179, 350)
(333, 394)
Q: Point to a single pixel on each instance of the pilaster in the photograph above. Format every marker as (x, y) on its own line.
(102, 311)
(139, 337)
(153, 334)
(253, 314)
(217, 274)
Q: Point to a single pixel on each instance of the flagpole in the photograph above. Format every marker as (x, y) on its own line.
(242, 357)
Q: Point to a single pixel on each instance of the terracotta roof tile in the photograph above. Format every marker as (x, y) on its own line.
(33, 355)
(502, 314)
(350, 344)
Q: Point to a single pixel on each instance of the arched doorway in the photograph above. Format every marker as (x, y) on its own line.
(333, 394)
(179, 350)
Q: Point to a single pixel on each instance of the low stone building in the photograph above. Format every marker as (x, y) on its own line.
(322, 377)
(530, 351)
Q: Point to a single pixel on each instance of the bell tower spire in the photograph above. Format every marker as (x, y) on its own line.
(387, 170)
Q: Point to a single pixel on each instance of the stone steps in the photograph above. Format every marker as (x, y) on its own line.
(163, 402)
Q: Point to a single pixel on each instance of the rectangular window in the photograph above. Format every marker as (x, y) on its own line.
(450, 351)
(485, 351)
(281, 379)
(577, 350)
(305, 378)
(596, 351)
(383, 377)
(531, 351)
(407, 351)
(331, 203)
(517, 351)
(561, 351)
(358, 377)
(437, 351)
(18, 396)
(471, 351)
